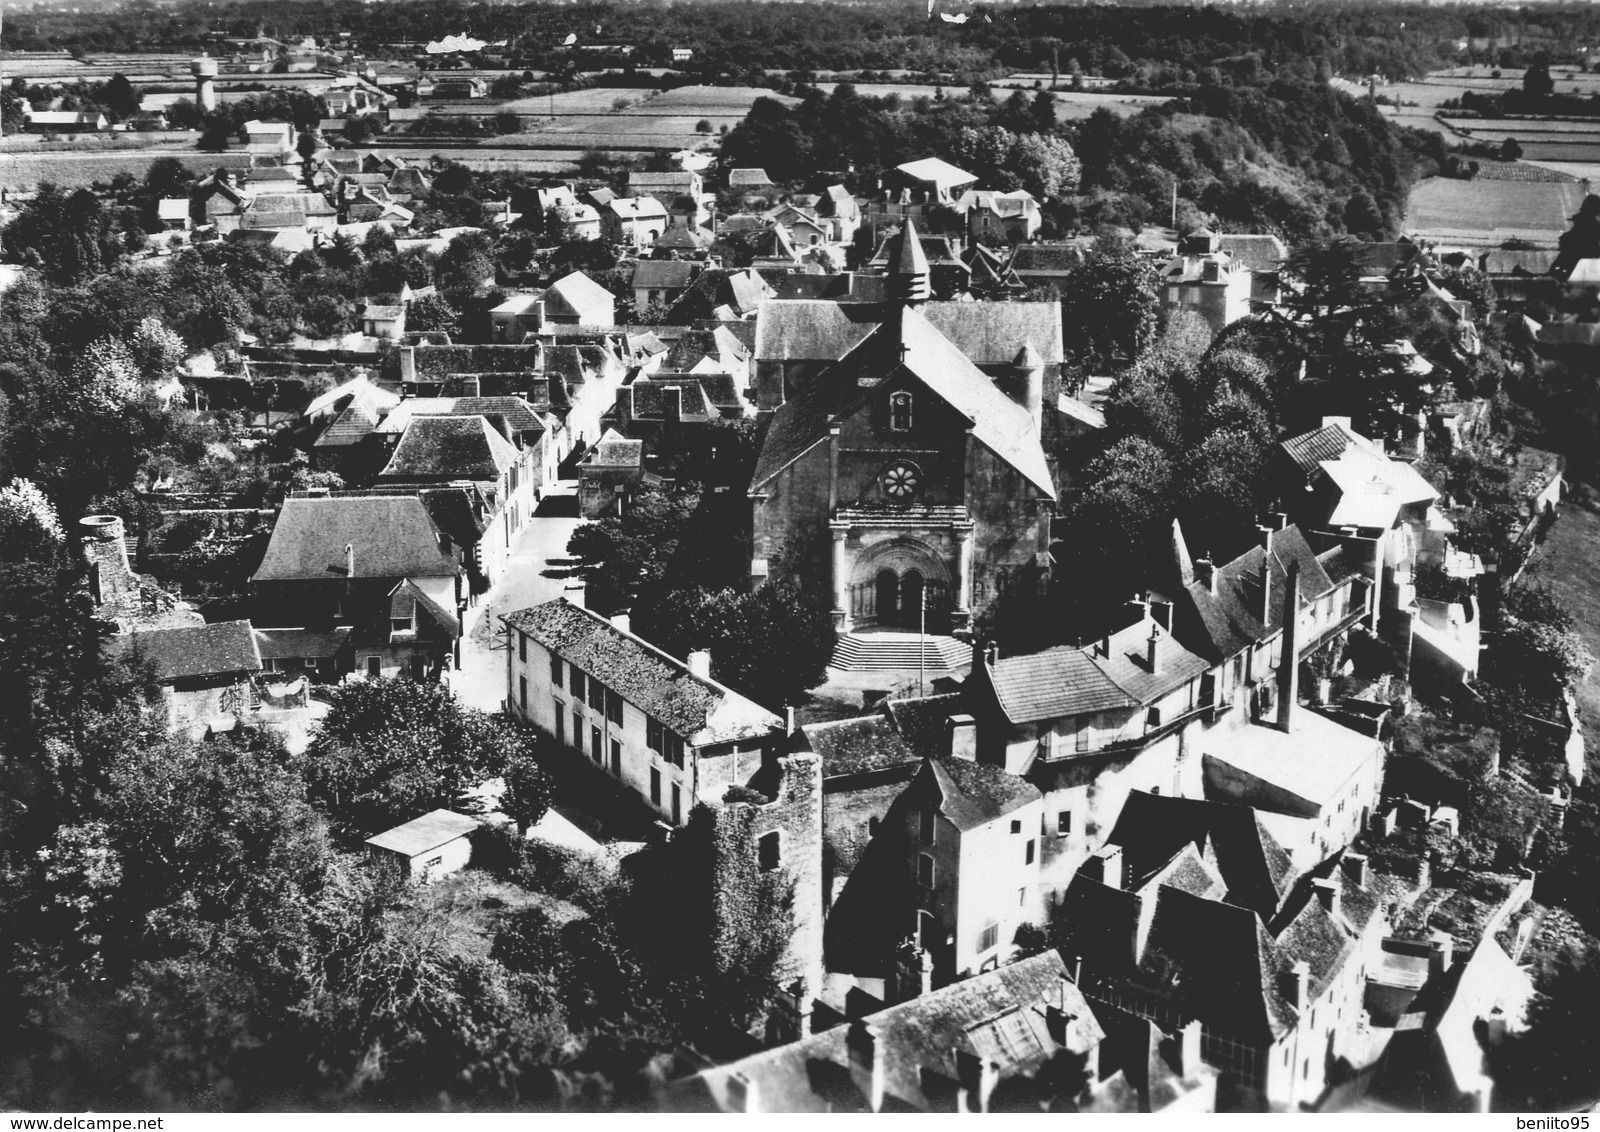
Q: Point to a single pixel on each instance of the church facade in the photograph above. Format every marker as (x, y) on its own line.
(915, 479)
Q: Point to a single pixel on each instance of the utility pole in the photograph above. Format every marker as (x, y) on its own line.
(1174, 204)
(922, 638)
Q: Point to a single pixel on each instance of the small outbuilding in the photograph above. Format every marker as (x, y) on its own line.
(433, 845)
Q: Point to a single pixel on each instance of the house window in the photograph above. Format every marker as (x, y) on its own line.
(1016, 826)
(594, 744)
(1022, 897)
(555, 671)
(924, 870)
(652, 735)
(677, 814)
(597, 696)
(900, 412)
(989, 937)
(768, 852)
(522, 693)
(522, 647)
(1027, 853)
(432, 861)
(616, 758)
(374, 666)
(925, 826)
(672, 748)
(400, 624)
(1080, 734)
(655, 786)
(561, 724)
(1063, 823)
(614, 707)
(577, 729)
(577, 685)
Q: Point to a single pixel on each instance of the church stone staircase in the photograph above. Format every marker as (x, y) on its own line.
(880, 650)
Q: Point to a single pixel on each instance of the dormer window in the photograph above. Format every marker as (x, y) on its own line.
(900, 412)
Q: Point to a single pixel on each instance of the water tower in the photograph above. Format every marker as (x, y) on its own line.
(204, 70)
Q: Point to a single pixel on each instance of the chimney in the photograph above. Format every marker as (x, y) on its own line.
(1327, 895)
(1289, 664)
(1186, 1044)
(791, 1015)
(671, 403)
(1355, 867)
(1265, 611)
(349, 561)
(913, 972)
(538, 316)
(1279, 520)
(1108, 861)
(866, 1064)
(977, 1075)
(622, 622)
(1206, 574)
(1264, 531)
(1297, 986)
(699, 662)
(961, 733)
(991, 655)
(576, 593)
(408, 364)
(469, 386)
(625, 403)
(790, 725)
(1057, 1015)
(1152, 657)
(742, 1093)
(1441, 952)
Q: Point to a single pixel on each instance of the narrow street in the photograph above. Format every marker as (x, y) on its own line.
(481, 682)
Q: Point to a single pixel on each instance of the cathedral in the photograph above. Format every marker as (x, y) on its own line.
(915, 475)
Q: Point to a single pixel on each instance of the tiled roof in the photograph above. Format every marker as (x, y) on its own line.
(1225, 622)
(1153, 829)
(1263, 253)
(998, 423)
(390, 537)
(1000, 1014)
(748, 177)
(667, 274)
(357, 421)
(921, 721)
(615, 450)
(1054, 684)
(422, 834)
(988, 333)
(275, 644)
(381, 312)
(189, 651)
(442, 361)
(454, 447)
(1046, 259)
(973, 794)
(858, 746)
(458, 511)
(702, 711)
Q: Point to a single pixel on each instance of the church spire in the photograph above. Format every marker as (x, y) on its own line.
(908, 268)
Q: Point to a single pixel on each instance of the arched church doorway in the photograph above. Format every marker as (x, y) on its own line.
(887, 602)
(911, 594)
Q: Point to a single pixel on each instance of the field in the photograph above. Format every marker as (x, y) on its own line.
(1486, 212)
(22, 172)
(1071, 105)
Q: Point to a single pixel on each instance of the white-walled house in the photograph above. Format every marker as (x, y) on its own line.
(662, 727)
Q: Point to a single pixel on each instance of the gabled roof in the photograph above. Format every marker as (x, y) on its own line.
(701, 711)
(389, 537)
(314, 644)
(749, 177)
(1228, 621)
(899, 735)
(583, 297)
(973, 794)
(1002, 1015)
(1371, 486)
(615, 450)
(1313, 762)
(664, 274)
(989, 333)
(190, 651)
(421, 835)
(998, 423)
(1257, 253)
(637, 208)
(450, 447)
(1054, 684)
(408, 599)
(380, 398)
(173, 208)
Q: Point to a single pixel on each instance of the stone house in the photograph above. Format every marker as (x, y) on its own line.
(680, 742)
(634, 222)
(1207, 281)
(378, 564)
(1000, 218)
(205, 672)
(1193, 913)
(609, 475)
